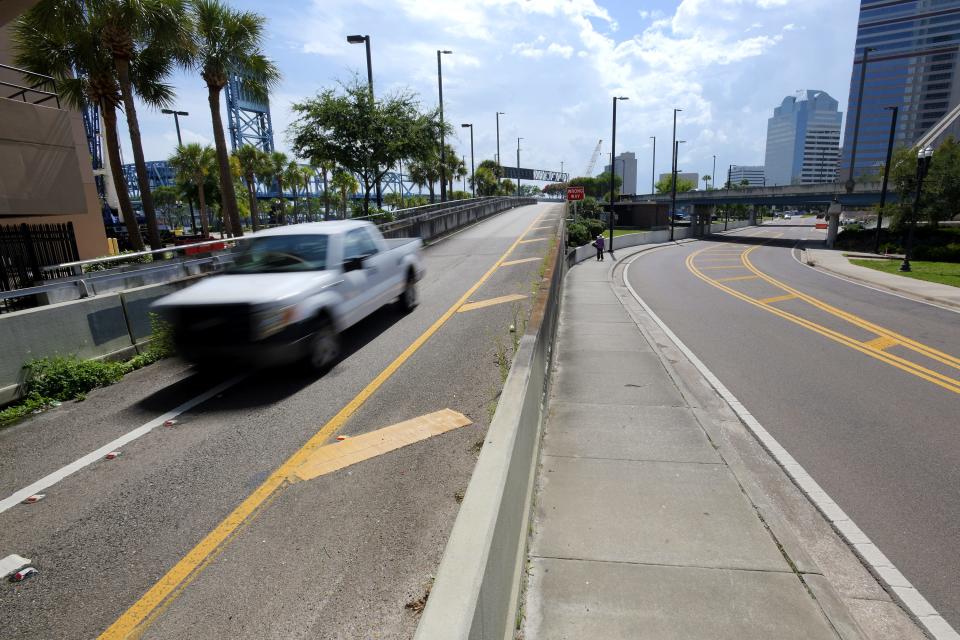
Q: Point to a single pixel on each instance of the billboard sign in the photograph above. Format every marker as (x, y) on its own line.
(541, 175)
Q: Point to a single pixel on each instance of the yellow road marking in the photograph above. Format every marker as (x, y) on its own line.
(733, 278)
(510, 263)
(470, 306)
(930, 352)
(939, 379)
(881, 343)
(532, 240)
(549, 226)
(151, 604)
(370, 445)
(732, 266)
(788, 296)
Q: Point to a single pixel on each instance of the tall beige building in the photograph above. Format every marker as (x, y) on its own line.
(45, 168)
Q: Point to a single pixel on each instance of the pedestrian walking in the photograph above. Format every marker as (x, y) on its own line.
(599, 244)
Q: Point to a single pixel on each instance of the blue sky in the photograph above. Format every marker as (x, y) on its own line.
(553, 65)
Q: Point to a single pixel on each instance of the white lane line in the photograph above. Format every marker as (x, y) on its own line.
(869, 553)
(76, 465)
(793, 254)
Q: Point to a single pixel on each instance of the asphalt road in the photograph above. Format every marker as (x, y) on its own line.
(876, 427)
(337, 556)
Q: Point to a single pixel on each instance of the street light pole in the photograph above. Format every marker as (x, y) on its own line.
(365, 40)
(499, 113)
(713, 176)
(443, 151)
(851, 183)
(613, 165)
(518, 166)
(653, 167)
(473, 182)
(924, 157)
(673, 174)
(886, 175)
(176, 121)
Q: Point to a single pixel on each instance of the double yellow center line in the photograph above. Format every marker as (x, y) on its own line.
(875, 348)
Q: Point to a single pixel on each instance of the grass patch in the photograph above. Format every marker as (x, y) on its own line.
(942, 272)
(57, 379)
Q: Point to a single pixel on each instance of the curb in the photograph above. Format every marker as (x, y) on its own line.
(940, 302)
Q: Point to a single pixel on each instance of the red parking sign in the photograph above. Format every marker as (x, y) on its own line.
(574, 193)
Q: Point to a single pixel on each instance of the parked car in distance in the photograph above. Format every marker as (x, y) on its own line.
(290, 292)
(787, 216)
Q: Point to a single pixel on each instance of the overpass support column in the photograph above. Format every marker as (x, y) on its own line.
(701, 219)
(833, 223)
(753, 215)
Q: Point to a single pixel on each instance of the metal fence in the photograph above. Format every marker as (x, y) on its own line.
(24, 252)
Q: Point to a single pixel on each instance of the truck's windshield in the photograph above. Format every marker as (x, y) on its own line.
(279, 254)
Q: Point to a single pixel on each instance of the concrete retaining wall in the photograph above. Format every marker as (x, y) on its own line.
(107, 326)
(477, 588)
(648, 237)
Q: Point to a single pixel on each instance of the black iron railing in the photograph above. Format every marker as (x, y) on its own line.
(37, 96)
(26, 255)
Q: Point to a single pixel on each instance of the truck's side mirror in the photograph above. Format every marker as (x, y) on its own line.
(353, 264)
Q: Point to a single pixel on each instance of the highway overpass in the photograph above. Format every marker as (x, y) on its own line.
(864, 195)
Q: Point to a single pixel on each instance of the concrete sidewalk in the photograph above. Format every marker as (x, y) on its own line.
(657, 515)
(834, 261)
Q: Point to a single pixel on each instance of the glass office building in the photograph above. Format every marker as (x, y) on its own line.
(913, 66)
(803, 140)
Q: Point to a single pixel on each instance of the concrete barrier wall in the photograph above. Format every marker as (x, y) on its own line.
(107, 326)
(477, 587)
(648, 237)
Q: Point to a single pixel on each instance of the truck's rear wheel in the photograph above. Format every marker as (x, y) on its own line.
(410, 297)
(324, 347)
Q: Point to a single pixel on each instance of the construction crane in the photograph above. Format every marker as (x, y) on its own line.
(593, 160)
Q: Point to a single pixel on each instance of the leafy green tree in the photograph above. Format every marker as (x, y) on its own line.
(425, 172)
(144, 38)
(254, 163)
(55, 38)
(229, 41)
(167, 200)
(345, 125)
(194, 163)
(665, 184)
(506, 188)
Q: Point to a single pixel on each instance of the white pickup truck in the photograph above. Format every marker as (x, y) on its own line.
(290, 292)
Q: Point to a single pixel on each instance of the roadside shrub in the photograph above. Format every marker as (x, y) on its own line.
(594, 227)
(578, 234)
(68, 377)
(948, 253)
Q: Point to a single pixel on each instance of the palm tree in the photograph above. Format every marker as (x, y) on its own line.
(253, 163)
(143, 37)
(346, 185)
(277, 162)
(293, 178)
(229, 42)
(307, 174)
(425, 172)
(325, 167)
(55, 38)
(194, 162)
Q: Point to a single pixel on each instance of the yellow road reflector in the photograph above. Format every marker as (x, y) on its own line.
(786, 296)
(470, 306)
(881, 343)
(521, 261)
(733, 278)
(334, 457)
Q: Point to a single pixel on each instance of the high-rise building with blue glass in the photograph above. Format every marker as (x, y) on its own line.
(912, 64)
(803, 140)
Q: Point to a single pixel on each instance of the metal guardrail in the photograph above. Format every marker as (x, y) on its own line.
(23, 91)
(85, 284)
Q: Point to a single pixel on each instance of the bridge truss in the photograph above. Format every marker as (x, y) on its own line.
(248, 117)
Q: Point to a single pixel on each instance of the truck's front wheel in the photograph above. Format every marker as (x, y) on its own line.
(410, 298)
(324, 347)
